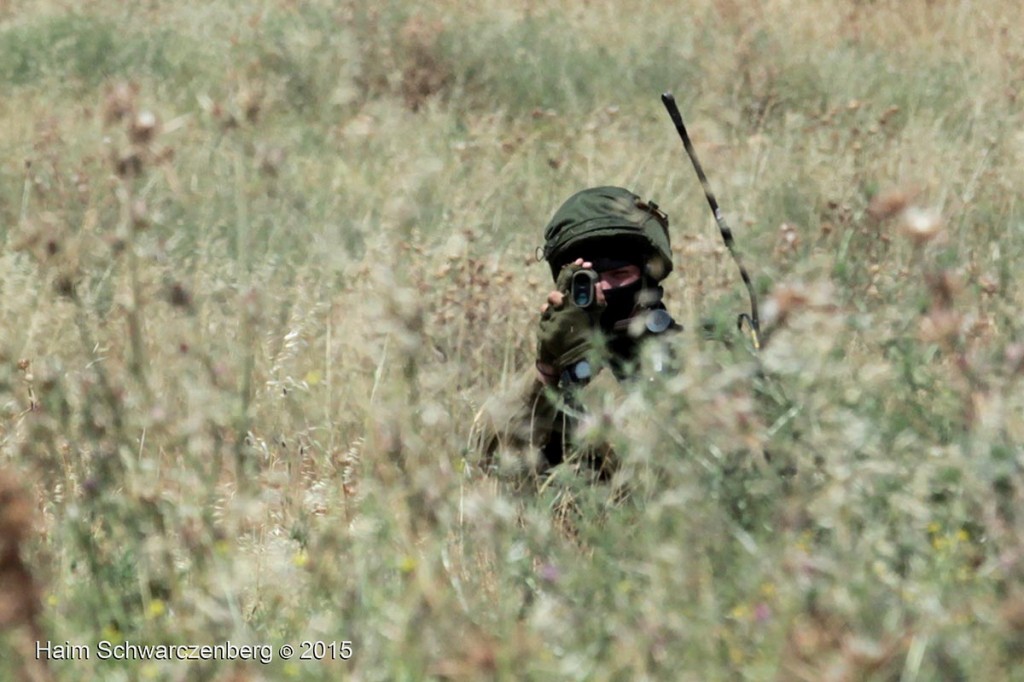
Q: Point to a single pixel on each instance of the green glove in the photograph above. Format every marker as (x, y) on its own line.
(565, 333)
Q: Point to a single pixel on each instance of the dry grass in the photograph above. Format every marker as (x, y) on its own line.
(261, 266)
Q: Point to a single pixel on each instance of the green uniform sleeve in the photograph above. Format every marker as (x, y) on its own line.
(519, 421)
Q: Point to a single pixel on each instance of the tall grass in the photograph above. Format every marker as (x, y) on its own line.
(263, 264)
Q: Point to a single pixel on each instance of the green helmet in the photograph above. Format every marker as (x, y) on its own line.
(609, 221)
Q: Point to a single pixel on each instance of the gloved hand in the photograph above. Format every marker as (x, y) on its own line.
(566, 331)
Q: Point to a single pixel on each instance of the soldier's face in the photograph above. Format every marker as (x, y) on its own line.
(618, 277)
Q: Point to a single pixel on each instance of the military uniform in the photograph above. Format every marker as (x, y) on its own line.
(611, 227)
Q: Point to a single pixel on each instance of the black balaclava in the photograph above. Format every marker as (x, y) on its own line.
(621, 303)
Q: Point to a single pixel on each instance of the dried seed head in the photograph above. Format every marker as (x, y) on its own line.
(888, 114)
(179, 296)
(120, 102)
(162, 154)
(127, 164)
(143, 128)
(888, 204)
(788, 240)
(139, 214)
(116, 243)
(944, 287)
(1014, 356)
(250, 102)
(65, 286)
(656, 268)
(940, 326)
(271, 161)
(988, 284)
(252, 109)
(784, 301)
(1012, 614)
(921, 225)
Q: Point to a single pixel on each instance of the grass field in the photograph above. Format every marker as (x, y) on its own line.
(263, 261)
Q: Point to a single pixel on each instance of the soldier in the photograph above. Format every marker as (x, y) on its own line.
(612, 238)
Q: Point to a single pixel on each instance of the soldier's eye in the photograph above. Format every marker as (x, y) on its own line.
(619, 273)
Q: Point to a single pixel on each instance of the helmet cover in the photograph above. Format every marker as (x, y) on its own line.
(609, 222)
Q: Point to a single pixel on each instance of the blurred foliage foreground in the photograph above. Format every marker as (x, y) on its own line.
(262, 264)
